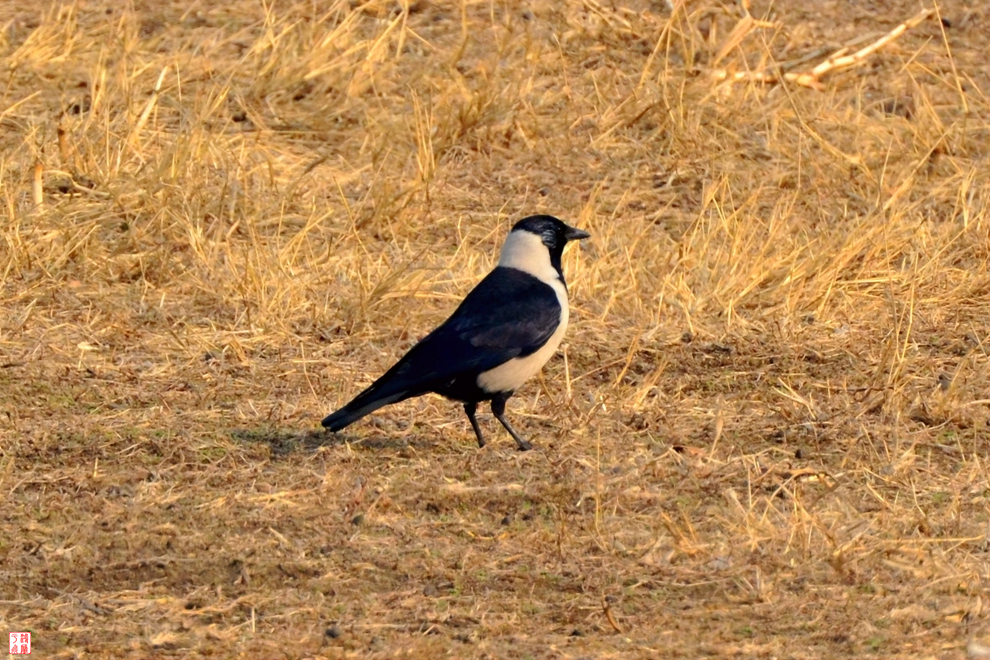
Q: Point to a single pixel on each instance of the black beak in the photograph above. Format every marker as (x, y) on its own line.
(575, 234)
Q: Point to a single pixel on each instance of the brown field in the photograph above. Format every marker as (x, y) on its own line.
(767, 432)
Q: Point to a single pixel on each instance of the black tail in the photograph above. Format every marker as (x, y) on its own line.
(366, 403)
(404, 380)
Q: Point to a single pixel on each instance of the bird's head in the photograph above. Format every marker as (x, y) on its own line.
(553, 232)
(536, 243)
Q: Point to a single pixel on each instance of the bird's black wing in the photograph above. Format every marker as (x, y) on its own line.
(509, 311)
(509, 314)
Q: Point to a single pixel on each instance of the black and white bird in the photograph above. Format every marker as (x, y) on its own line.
(501, 335)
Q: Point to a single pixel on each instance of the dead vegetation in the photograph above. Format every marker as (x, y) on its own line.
(767, 435)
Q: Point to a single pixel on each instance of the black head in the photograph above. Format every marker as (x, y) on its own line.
(553, 232)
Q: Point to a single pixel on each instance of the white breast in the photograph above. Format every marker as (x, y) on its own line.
(526, 252)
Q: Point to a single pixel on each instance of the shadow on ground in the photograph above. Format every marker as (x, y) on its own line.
(286, 441)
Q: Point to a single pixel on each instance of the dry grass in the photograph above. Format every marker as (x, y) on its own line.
(768, 434)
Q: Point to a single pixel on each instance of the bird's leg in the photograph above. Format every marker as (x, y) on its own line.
(498, 409)
(470, 409)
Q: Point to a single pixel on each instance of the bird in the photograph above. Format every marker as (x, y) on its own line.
(501, 334)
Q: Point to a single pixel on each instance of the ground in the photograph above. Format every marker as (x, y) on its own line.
(765, 436)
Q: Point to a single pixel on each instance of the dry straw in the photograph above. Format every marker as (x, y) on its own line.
(767, 436)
